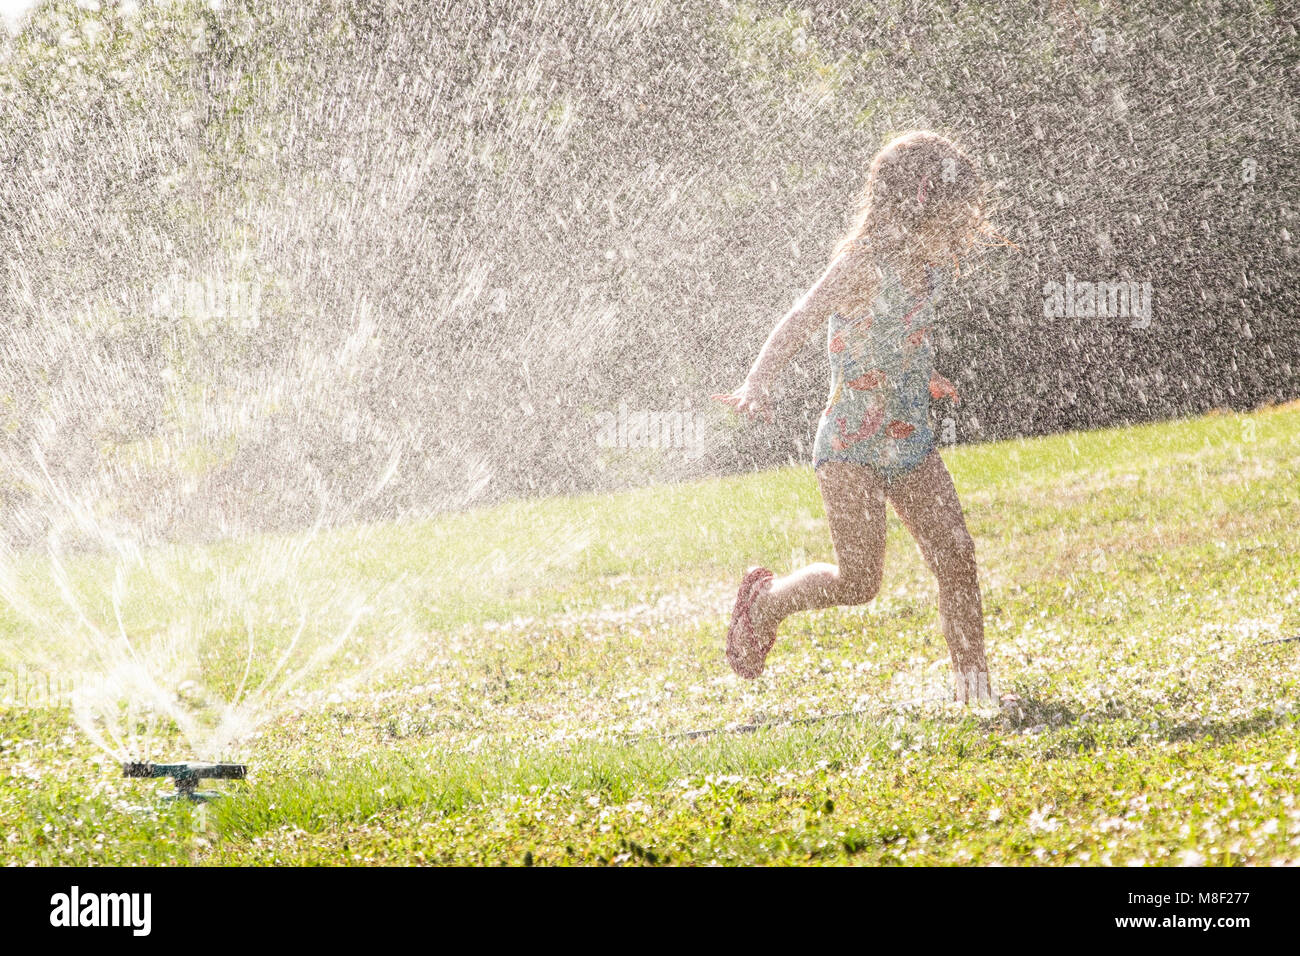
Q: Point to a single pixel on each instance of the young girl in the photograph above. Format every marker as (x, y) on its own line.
(922, 208)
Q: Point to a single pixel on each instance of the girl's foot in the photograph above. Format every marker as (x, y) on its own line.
(746, 647)
(765, 627)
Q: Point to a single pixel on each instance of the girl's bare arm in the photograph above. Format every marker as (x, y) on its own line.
(842, 287)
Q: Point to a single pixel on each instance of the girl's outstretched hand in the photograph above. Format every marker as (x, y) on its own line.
(940, 387)
(748, 400)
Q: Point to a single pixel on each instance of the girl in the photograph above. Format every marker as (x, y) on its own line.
(922, 207)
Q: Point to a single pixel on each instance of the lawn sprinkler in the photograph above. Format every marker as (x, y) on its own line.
(187, 776)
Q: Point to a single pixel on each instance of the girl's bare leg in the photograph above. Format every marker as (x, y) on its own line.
(855, 508)
(926, 501)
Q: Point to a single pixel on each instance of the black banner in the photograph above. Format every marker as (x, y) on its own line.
(226, 906)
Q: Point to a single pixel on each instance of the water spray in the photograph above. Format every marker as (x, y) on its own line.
(187, 776)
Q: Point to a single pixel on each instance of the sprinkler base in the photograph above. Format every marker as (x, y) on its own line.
(187, 776)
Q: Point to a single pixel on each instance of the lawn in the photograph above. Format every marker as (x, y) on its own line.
(542, 682)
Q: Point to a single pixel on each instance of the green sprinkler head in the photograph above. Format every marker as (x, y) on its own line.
(187, 776)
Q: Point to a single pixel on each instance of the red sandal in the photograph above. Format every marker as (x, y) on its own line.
(744, 653)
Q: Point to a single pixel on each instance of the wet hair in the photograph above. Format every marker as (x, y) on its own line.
(920, 183)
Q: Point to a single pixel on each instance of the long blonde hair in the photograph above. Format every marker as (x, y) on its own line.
(919, 183)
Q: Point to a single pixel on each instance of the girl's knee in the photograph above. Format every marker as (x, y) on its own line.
(963, 546)
(957, 553)
(860, 588)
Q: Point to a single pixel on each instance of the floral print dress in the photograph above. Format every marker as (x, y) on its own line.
(879, 409)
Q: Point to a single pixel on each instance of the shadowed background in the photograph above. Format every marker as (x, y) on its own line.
(427, 245)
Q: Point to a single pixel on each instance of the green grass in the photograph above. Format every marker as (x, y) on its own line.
(561, 648)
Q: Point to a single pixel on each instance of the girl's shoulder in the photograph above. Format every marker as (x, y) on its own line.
(854, 279)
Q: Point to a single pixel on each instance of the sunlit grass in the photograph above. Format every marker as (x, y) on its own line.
(1132, 578)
